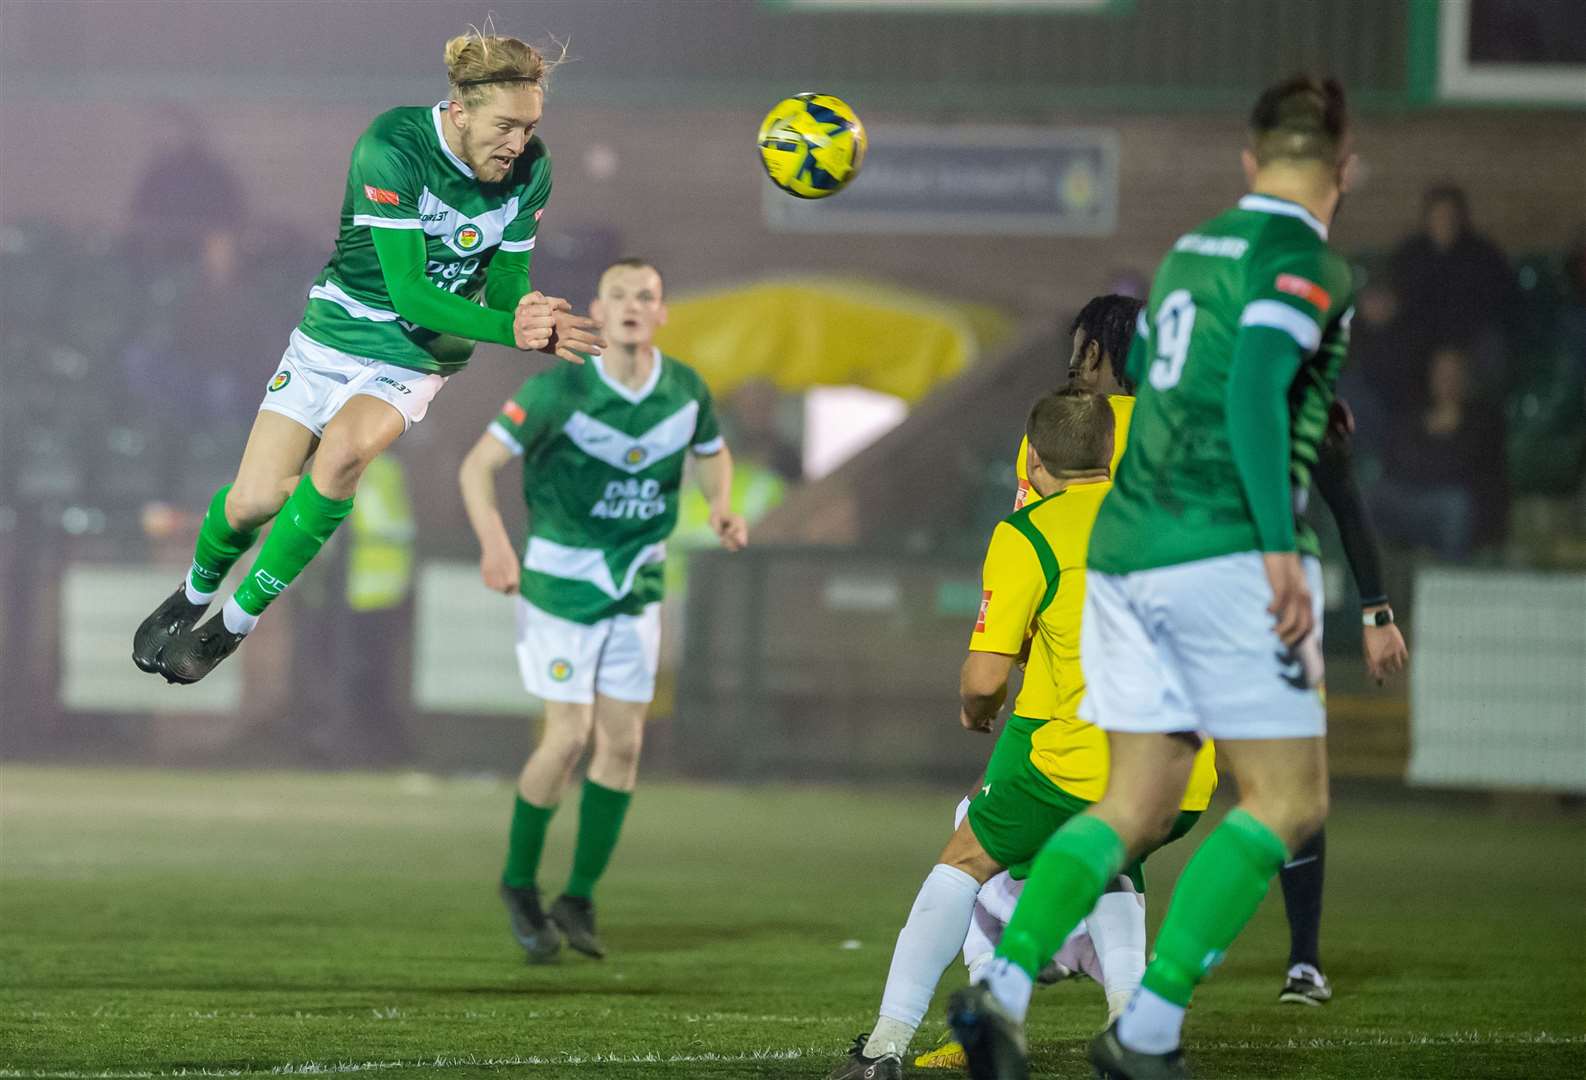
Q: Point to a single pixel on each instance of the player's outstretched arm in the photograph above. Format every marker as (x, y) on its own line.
(498, 562)
(1384, 646)
(713, 473)
(421, 302)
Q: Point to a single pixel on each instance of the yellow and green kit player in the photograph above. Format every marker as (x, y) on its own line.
(1048, 764)
(603, 449)
(1202, 613)
(438, 225)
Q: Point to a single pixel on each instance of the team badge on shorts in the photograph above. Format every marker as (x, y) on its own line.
(280, 380)
(467, 237)
(561, 670)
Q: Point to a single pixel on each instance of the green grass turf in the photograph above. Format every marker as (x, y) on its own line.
(160, 923)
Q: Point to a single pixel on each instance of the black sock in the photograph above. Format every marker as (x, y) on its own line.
(1302, 899)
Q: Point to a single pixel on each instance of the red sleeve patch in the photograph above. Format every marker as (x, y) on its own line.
(1306, 290)
(980, 620)
(381, 195)
(514, 412)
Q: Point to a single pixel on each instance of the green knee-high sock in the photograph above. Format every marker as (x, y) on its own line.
(1218, 892)
(600, 814)
(1068, 877)
(219, 546)
(300, 530)
(526, 842)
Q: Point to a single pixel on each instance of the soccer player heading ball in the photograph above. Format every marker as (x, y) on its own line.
(1201, 615)
(437, 229)
(603, 448)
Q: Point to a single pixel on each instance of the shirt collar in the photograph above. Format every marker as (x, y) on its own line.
(1269, 204)
(633, 397)
(462, 166)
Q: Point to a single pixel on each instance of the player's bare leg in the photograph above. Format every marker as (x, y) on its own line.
(608, 789)
(1282, 803)
(272, 461)
(360, 431)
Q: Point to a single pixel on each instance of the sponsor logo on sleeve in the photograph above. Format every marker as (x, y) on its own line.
(514, 412)
(1307, 290)
(1021, 496)
(980, 619)
(381, 195)
(539, 213)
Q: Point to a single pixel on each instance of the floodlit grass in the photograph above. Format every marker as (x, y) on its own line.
(166, 923)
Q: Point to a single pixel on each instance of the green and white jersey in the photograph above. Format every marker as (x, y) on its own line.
(1178, 495)
(602, 471)
(404, 176)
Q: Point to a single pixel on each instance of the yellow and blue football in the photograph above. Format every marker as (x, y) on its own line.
(812, 145)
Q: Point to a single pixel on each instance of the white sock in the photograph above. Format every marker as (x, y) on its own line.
(237, 620)
(980, 944)
(1010, 986)
(193, 595)
(926, 945)
(1117, 929)
(1151, 1024)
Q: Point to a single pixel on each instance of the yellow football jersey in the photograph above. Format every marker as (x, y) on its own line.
(1033, 581)
(1122, 413)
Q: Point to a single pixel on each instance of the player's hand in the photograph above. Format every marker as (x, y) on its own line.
(534, 321)
(1385, 651)
(1291, 596)
(574, 337)
(731, 529)
(969, 723)
(499, 567)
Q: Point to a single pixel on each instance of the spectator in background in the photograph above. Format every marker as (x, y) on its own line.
(1385, 376)
(1444, 486)
(1455, 285)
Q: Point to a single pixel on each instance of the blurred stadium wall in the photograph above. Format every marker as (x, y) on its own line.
(169, 178)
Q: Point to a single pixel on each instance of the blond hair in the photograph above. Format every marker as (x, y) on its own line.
(479, 59)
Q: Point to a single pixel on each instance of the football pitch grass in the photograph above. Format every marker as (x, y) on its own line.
(160, 924)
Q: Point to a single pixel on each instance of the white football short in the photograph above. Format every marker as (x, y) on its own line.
(314, 381)
(562, 660)
(1192, 648)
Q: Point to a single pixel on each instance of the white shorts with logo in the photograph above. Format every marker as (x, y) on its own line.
(314, 381)
(1192, 648)
(562, 660)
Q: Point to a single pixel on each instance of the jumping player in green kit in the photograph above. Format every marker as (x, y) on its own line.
(437, 230)
(1203, 611)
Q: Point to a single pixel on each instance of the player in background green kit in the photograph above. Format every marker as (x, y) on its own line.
(1202, 617)
(440, 214)
(603, 449)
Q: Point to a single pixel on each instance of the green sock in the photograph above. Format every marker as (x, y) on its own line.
(526, 842)
(1064, 884)
(600, 814)
(1220, 888)
(300, 530)
(219, 546)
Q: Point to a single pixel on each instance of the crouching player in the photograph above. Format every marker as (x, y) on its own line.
(1047, 764)
(603, 447)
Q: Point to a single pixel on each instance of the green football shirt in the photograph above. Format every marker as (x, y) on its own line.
(404, 176)
(602, 471)
(1178, 496)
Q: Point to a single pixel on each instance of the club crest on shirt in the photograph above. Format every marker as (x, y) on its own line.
(634, 456)
(467, 237)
